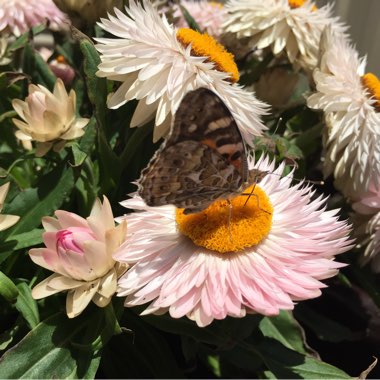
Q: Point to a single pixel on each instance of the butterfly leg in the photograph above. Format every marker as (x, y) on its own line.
(257, 198)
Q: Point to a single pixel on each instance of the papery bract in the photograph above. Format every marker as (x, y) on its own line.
(79, 251)
(49, 118)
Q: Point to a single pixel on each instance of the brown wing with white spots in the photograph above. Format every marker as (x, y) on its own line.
(188, 175)
(202, 116)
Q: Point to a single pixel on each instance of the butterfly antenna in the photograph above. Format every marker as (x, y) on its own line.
(279, 121)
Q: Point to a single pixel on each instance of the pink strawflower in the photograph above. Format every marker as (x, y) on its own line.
(17, 16)
(261, 257)
(58, 66)
(209, 15)
(79, 251)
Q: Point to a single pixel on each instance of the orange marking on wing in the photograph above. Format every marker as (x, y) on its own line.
(210, 143)
(236, 163)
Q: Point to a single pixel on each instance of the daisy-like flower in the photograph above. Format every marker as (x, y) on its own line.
(290, 26)
(6, 221)
(257, 257)
(209, 15)
(79, 251)
(158, 65)
(49, 118)
(350, 100)
(17, 16)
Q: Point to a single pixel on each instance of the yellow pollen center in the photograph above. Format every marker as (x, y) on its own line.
(224, 227)
(203, 45)
(61, 59)
(298, 3)
(372, 83)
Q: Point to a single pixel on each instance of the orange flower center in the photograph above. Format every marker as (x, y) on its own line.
(61, 59)
(203, 45)
(298, 3)
(372, 84)
(229, 227)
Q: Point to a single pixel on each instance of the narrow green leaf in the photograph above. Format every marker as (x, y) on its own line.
(46, 352)
(88, 140)
(286, 363)
(33, 204)
(27, 306)
(23, 240)
(96, 87)
(189, 19)
(43, 74)
(8, 289)
(25, 38)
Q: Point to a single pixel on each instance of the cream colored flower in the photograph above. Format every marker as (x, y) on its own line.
(6, 221)
(158, 65)
(88, 11)
(350, 101)
(290, 26)
(48, 118)
(79, 251)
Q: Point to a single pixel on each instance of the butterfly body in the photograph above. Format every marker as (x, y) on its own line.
(202, 160)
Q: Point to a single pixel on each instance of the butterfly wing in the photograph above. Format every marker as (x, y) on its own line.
(189, 175)
(203, 117)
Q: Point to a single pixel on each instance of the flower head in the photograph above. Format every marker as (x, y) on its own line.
(49, 118)
(6, 221)
(17, 16)
(350, 101)
(79, 251)
(257, 256)
(58, 66)
(290, 26)
(158, 65)
(88, 11)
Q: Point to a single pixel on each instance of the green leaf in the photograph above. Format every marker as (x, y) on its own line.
(8, 289)
(6, 338)
(43, 74)
(189, 19)
(47, 352)
(23, 240)
(32, 204)
(78, 154)
(286, 363)
(27, 306)
(87, 142)
(96, 87)
(285, 329)
(25, 38)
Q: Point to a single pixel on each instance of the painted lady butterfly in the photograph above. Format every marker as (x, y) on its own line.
(202, 160)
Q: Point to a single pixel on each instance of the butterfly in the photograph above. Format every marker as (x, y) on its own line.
(203, 158)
